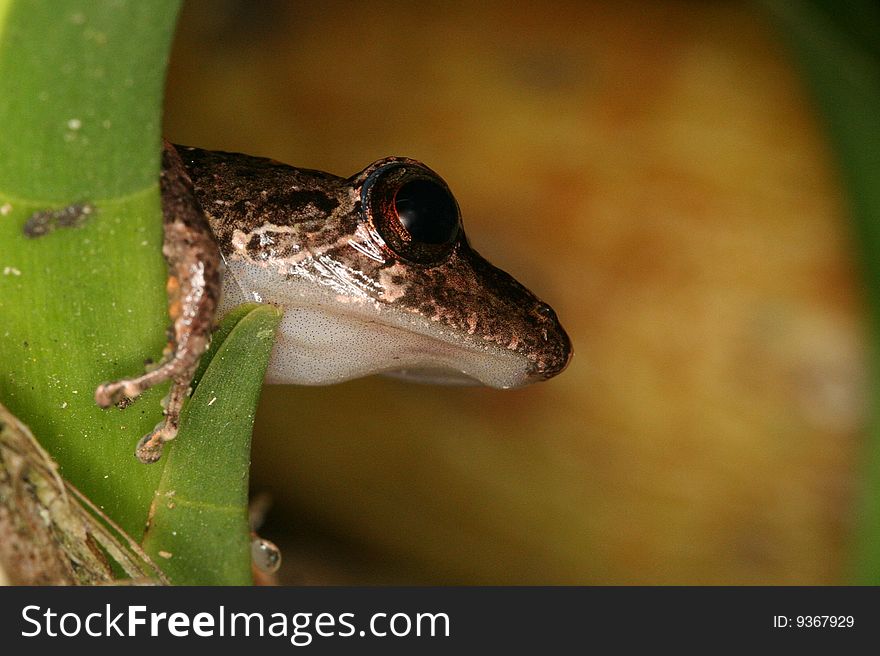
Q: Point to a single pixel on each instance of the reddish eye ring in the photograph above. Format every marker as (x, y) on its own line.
(413, 211)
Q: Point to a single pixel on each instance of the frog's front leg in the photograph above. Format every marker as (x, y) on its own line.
(194, 283)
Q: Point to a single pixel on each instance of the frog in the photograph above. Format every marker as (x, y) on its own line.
(374, 275)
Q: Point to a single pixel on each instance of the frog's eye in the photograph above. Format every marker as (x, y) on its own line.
(413, 211)
(427, 211)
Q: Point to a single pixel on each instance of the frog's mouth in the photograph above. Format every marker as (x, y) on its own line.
(330, 334)
(432, 376)
(317, 345)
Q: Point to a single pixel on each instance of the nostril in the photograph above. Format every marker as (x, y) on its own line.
(545, 311)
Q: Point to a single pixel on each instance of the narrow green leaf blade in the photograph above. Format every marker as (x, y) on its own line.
(198, 528)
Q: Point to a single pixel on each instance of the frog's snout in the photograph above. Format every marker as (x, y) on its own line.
(557, 350)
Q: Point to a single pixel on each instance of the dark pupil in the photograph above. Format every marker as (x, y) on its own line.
(427, 211)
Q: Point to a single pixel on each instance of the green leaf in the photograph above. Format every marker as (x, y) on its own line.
(198, 530)
(81, 86)
(80, 112)
(838, 48)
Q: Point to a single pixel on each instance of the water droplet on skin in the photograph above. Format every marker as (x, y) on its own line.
(266, 556)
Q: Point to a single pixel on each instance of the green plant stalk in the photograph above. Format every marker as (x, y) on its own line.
(81, 87)
(198, 528)
(838, 48)
(80, 106)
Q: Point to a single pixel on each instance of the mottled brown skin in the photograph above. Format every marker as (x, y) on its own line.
(459, 292)
(226, 206)
(240, 192)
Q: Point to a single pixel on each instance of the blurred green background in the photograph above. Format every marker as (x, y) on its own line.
(658, 173)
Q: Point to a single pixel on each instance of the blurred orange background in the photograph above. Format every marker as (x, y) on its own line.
(657, 173)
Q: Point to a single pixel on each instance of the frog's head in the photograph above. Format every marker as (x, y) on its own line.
(477, 323)
(385, 281)
(439, 311)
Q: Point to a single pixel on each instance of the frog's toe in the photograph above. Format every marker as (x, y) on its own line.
(119, 393)
(149, 449)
